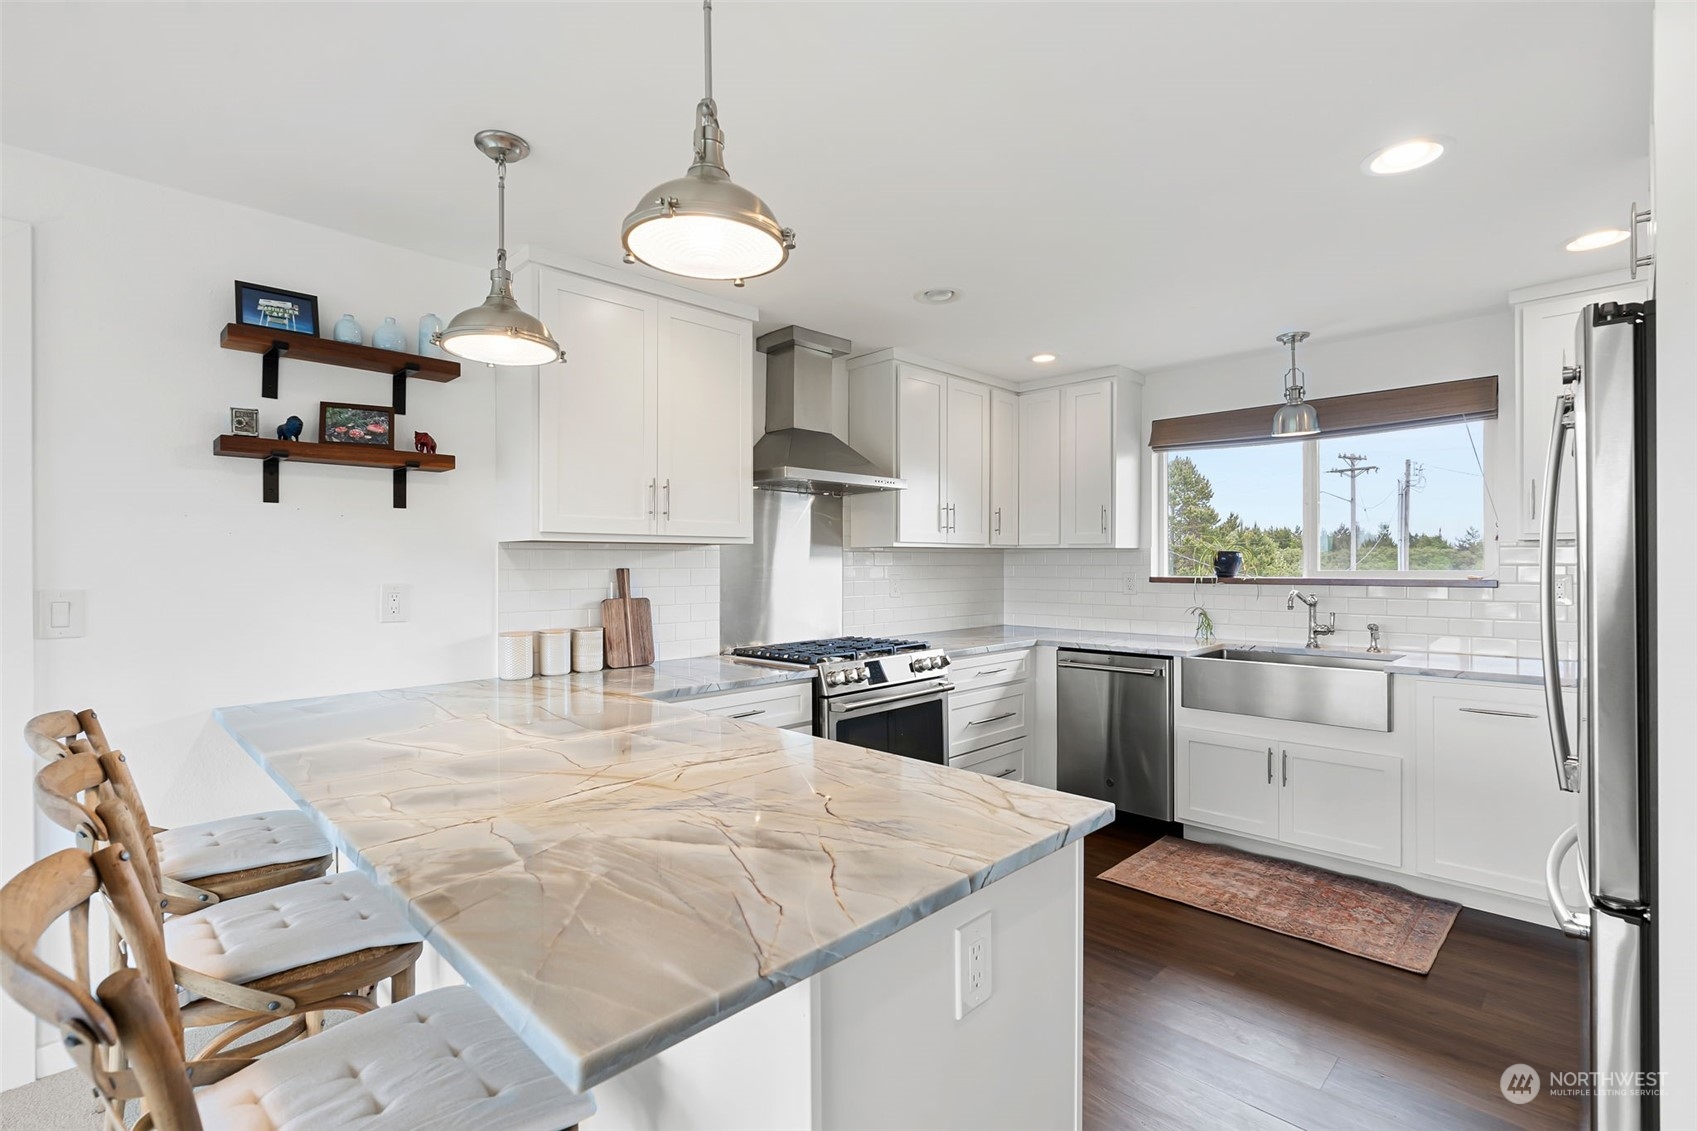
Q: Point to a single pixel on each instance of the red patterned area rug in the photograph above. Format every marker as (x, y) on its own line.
(1360, 917)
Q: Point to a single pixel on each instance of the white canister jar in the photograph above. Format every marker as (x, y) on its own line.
(554, 653)
(518, 655)
(586, 649)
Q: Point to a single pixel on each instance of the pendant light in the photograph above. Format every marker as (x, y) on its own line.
(703, 225)
(497, 332)
(1296, 417)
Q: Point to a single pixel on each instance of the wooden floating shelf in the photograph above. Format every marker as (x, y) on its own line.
(273, 452)
(273, 344)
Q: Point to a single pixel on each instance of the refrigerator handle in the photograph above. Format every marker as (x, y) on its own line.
(1567, 766)
(1573, 924)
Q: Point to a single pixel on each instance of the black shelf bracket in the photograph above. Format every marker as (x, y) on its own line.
(401, 484)
(400, 397)
(269, 477)
(268, 373)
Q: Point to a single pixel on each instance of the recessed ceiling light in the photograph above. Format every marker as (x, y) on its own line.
(937, 296)
(1591, 241)
(1403, 157)
(1042, 358)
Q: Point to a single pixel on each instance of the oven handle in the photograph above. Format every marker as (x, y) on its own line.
(843, 707)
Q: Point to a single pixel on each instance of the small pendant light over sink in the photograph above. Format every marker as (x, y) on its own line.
(498, 332)
(704, 225)
(1296, 417)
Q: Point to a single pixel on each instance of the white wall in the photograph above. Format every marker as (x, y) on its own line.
(200, 594)
(562, 585)
(1675, 112)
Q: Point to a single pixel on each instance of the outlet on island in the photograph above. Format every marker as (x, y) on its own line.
(973, 984)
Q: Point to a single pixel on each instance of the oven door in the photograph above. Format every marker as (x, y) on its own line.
(913, 722)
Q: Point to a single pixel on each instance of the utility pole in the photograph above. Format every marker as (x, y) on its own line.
(1404, 491)
(1354, 471)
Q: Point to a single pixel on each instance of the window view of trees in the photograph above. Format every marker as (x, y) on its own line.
(1413, 497)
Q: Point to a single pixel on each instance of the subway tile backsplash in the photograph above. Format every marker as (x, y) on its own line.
(561, 585)
(905, 592)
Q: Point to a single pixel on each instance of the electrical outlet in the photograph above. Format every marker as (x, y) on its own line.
(1564, 587)
(1130, 582)
(973, 984)
(894, 589)
(393, 603)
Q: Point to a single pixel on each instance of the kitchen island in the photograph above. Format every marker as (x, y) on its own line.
(619, 875)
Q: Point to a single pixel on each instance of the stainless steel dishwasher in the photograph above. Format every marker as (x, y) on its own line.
(1115, 737)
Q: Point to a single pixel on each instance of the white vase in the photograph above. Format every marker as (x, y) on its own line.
(389, 337)
(348, 330)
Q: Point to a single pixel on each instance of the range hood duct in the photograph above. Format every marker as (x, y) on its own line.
(798, 452)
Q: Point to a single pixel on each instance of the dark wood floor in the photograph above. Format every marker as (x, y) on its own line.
(1193, 1021)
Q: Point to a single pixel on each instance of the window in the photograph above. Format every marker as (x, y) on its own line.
(1401, 500)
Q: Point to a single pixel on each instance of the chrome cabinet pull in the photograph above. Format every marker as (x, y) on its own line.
(653, 498)
(989, 671)
(998, 521)
(992, 719)
(1269, 765)
(1284, 767)
(1504, 714)
(1008, 773)
(666, 511)
(943, 518)
(1634, 260)
(749, 714)
(954, 521)
(1104, 518)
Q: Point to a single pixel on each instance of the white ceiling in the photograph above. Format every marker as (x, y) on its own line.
(1139, 184)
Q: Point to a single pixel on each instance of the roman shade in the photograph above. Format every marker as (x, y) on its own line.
(1446, 402)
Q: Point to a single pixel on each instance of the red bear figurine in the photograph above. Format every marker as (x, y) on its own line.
(422, 442)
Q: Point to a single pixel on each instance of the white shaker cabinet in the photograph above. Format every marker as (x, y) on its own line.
(967, 478)
(1227, 781)
(1546, 329)
(643, 434)
(1346, 802)
(1040, 468)
(1004, 468)
(1087, 463)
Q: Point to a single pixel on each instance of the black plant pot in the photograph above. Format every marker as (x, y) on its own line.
(1228, 563)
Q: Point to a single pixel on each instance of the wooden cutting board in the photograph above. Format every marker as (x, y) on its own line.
(628, 624)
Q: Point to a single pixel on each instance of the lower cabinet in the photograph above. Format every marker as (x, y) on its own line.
(1004, 760)
(1344, 802)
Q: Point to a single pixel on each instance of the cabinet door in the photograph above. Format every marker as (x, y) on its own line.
(1087, 463)
(1004, 468)
(966, 463)
(1549, 332)
(1227, 781)
(597, 413)
(1341, 801)
(921, 401)
(1040, 468)
(1488, 804)
(1005, 761)
(706, 451)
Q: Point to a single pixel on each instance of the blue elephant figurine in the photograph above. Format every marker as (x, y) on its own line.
(290, 429)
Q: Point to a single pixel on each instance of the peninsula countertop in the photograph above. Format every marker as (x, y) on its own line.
(615, 873)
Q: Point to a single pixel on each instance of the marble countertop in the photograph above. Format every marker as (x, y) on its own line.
(1443, 665)
(614, 872)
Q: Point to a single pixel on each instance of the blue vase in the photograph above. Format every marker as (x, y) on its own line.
(347, 330)
(389, 337)
(428, 327)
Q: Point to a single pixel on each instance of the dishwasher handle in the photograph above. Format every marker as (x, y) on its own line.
(1158, 673)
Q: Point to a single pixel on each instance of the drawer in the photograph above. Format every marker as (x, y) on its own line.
(777, 705)
(1004, 760)
(983, 718)
(991, 669)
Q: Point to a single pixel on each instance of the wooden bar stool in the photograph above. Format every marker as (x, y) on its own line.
(221, 859)
(441, 1061)
(290, 952)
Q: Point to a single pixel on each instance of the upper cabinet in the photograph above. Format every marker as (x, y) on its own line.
(1004, 468)
(1087, 463)
(1040, 468)
(1081, 466)
(1546, 332)
(933, 430)
(644, 434)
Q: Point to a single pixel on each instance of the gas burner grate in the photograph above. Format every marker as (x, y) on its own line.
(837, 648)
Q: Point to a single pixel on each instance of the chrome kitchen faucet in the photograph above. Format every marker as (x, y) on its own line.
(1315, 628)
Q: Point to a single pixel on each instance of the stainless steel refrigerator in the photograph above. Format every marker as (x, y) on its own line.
(1606, 410)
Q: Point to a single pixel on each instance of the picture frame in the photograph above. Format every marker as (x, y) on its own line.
(276, 308)
(244, 422)
(370, 425)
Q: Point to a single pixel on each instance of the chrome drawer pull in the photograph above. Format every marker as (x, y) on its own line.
(1504, 714)
(1008, 773)
(990, 671)
(749, 714)
(992, 719)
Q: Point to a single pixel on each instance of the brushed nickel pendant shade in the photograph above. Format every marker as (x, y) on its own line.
(703, 225)
(498, 331)
(1296, 417)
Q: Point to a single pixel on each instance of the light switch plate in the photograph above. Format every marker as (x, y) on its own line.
(60, 614)
(973, 984)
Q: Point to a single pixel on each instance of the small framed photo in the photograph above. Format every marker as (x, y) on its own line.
(244, 422)
(370, 424)
(276, 309)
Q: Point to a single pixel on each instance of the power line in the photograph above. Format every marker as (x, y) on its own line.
(1355, 472)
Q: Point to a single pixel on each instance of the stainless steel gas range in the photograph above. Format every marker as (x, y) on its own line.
(890, 695)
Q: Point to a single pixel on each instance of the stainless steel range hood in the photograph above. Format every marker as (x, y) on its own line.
(798, 452)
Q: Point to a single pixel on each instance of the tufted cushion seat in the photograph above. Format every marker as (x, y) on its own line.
(240, 940)
(254, 840)
(442, 1061)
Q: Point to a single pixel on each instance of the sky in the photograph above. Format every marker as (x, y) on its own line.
(1263, 484)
